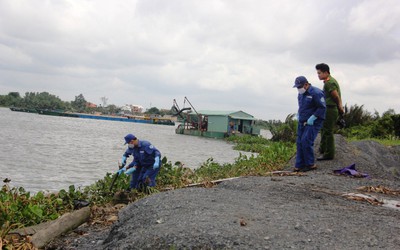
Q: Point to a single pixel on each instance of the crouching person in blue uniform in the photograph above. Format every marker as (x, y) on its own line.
(311, 115)
(145, 165)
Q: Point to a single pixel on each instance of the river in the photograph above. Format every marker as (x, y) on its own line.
(49, 153)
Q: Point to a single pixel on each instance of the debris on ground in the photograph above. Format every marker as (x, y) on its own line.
(280, 211)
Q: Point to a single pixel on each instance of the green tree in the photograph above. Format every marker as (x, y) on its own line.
(362, 125)
(153, 110)
(13, 99)
(386, 126)
(396, 125)
(79, 104)
(356, 115)
(112, 109)
(43, 100)
(389, 112)
(383, 127)
(14, 94)
(284, 132)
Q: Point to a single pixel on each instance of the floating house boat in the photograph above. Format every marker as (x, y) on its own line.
(126, 118)
(215, 124)
(28, 110)
(55, 113)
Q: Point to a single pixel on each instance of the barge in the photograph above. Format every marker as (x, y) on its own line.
(214, 124)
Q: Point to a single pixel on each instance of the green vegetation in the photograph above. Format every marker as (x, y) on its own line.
(361, 125)
(44, 100)
(19, 208)
(271, 156)
(286, 131)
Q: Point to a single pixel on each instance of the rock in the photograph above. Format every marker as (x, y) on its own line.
(284, 212)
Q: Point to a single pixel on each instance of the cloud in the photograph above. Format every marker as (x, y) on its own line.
(13, 57)
(375, 18)
(230, 55)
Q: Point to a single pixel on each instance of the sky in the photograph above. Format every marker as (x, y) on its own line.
(225, 55)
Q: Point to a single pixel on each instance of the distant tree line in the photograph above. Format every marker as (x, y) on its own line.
(160, 112)
(44, 100)
(360, 124)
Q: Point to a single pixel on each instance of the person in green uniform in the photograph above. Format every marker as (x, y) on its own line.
(334, 108)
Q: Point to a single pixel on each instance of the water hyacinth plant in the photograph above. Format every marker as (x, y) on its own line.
(19, 208)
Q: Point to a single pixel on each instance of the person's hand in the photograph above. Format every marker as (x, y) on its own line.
(156, 162)
(121, 170)
(123, 161)
(311, 120)
(341, 122)
(130, 171)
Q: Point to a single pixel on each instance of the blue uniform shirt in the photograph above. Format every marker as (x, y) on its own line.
(143, 154)
(312, 102)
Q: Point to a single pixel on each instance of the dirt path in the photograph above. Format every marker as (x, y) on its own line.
(309, 211)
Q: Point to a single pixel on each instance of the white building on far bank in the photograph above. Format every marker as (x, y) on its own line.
(137, 109)
(132, 109)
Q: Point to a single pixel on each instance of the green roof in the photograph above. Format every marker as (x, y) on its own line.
(215, 112)
(233, 114)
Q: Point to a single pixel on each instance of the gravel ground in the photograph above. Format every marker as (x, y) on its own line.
(305, 211)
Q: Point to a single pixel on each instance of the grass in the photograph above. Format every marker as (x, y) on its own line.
(19, 208)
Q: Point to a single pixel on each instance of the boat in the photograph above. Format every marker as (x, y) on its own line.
(111, 118)
(124, 118)
(130, 118)
(27, 110)
(163, 121)
(56, 113)
(214, 124)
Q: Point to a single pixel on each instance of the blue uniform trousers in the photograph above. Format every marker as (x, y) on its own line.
(306, 135)
(144, 175)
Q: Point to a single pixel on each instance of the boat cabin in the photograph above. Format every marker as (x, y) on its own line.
(217, 124)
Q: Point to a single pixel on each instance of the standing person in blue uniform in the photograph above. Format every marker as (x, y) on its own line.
(311, 115)
(145, 165)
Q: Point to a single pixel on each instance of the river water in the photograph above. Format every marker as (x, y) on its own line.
(49, 153)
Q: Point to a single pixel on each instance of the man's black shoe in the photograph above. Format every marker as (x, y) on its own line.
(324, 158)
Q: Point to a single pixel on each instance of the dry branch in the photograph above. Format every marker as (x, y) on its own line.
(62, 225)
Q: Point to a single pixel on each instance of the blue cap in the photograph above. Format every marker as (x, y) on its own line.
(300, 81)
(129, 137)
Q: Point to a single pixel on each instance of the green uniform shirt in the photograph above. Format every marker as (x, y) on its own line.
(330, 85)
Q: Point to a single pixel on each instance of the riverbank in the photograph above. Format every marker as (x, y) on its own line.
(313, 210)
(58, 151)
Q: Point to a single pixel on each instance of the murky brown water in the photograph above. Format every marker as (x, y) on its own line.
(40, 152)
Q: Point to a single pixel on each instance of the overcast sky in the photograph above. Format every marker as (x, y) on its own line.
(221, 54)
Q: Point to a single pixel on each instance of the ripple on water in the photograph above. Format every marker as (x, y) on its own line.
(42, 152)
